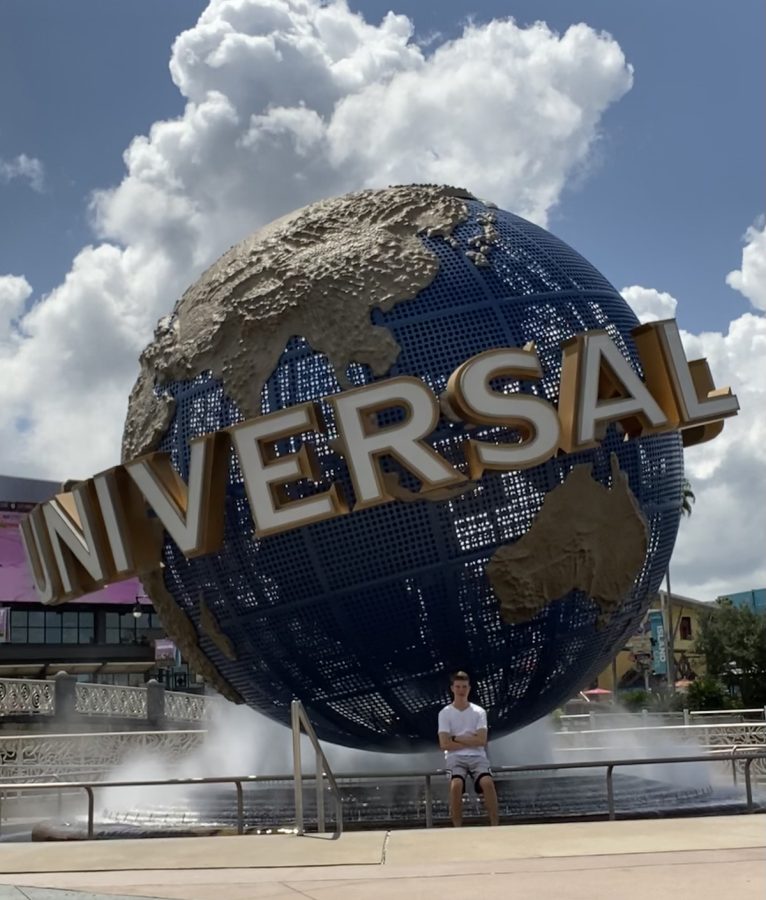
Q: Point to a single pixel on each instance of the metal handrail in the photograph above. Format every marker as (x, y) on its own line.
(758, 726)
(298, 720)
(239, 781)
(47, 736)
(117, 688)
(89, 786)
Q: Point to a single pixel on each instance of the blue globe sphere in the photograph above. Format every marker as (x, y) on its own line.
(362, 617)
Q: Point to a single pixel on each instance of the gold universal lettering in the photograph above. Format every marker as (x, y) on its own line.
(364, 442)
(98, 531)
(39, 553)
(192, 514)
(267, 474)
(598, 386)
(470, 395)
(123, 511)
(77, 537)
(684, 389)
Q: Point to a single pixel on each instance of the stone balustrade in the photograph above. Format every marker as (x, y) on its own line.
(72, 757)
(65, 700)
(25, 695)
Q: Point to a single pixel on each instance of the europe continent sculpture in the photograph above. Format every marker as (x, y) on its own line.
(529, 576)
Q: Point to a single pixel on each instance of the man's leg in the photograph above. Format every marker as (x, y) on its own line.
(489, 794)
(456, 788)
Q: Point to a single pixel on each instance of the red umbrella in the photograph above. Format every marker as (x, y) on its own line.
(597, 692)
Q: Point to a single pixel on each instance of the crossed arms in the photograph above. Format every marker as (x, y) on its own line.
(461, 741)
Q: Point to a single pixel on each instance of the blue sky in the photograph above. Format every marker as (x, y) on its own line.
(127, 167)
(676, 178)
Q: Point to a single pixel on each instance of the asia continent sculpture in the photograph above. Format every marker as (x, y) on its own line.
(530, 579)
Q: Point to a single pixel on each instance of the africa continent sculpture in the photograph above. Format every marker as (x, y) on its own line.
(530, 579)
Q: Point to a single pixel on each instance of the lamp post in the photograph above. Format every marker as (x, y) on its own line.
(669, 637)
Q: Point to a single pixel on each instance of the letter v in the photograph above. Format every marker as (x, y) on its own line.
(192, 514)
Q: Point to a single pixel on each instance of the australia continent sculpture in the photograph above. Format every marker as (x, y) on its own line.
(447, 445)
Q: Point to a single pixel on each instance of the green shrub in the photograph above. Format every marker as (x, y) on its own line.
(635, 700)
(707, 692)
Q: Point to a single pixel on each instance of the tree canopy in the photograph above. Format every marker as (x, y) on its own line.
(733, 641)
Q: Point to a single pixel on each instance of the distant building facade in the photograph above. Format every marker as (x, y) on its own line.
(755, 600)
(642, 663)
(111, 636)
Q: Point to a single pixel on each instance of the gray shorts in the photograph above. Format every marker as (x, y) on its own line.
(475, 766)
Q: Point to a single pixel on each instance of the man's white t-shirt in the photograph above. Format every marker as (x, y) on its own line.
(454, 721)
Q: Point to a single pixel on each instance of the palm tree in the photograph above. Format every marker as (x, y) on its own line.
(687, 502)
(687, 498)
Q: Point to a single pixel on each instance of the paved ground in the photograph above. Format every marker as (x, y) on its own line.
(706, 858)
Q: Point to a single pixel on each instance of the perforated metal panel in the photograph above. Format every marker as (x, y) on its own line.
(362, 617)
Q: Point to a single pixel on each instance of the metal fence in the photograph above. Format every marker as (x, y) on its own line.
(647, 718)
(718, 737)
(91, 787)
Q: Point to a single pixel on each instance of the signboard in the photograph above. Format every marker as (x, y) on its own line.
(96, 533)
(640, 644)
(659, 659)
(164, 651)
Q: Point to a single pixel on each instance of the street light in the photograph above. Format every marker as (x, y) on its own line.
(137, 610)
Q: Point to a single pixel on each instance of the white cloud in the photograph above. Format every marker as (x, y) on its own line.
(750, 280)
(650, 305)
(23, 166)
(14, 291)
(720, 547)
(288, 101)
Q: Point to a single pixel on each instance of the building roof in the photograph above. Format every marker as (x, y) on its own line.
(680, 600)
(26, 490)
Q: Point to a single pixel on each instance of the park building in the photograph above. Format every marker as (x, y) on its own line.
(642, 662)
(111, 636)
(754, 600)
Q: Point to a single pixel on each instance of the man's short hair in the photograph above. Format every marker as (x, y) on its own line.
(460, 675)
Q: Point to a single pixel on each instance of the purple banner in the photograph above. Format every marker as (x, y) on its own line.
(16, 585)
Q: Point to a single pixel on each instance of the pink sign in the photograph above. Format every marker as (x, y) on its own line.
(16, 584)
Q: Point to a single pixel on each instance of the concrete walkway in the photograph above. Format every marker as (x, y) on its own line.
(706, 858)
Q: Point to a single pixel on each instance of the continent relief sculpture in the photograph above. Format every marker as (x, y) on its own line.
(585, 538)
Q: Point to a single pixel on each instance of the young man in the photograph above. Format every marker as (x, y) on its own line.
(463, 737)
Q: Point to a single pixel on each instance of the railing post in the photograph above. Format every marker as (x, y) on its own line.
(610, 792)
(300, 720)
(687, 717)
(64, 699)
(748, 784)
(155, 704)
(319, 785)
(240, 808)
(89, 792)
(429, 803)
(297, 768)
